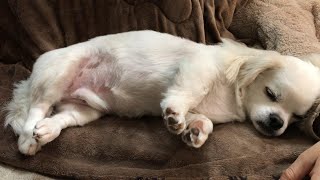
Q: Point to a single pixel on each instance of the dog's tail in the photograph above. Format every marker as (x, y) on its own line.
(18, 108)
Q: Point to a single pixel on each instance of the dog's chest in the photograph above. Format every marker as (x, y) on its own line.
(220, 105)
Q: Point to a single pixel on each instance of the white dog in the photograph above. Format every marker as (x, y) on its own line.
(149, 73)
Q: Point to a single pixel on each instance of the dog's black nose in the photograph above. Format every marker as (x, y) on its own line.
(275, 122)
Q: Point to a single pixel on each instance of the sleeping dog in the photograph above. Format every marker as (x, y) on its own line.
(193, 86)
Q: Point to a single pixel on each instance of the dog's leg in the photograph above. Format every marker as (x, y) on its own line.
(197, 131)
(26, 143)
(67, 115)
(192, 82)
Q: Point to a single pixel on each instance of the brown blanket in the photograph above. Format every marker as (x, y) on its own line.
(131, 148)
(291, 27)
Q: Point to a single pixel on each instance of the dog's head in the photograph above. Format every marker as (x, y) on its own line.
(274, 90)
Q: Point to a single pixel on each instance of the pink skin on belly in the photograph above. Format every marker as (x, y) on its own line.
(96, 73)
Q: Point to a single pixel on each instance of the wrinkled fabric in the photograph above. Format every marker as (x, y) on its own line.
(290, 27)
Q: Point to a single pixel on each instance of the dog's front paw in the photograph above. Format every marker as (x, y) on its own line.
(174, 121)
(46, 131)
(195, 135)
(28, 145)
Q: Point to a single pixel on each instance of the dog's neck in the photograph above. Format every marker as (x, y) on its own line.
(222, 104)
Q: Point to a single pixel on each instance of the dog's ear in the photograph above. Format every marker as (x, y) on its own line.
(313, 58)
(244, 70)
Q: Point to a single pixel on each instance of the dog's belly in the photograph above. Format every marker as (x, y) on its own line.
(108, 84)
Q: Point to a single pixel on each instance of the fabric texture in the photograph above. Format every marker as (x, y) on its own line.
(113, 147)
(290, 27)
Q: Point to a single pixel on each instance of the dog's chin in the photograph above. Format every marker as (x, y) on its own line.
(265, 130)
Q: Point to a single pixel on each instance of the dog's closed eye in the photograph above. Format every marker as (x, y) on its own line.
(271, 95)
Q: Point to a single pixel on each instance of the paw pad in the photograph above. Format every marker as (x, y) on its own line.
(172, 121)
(195, 131)
(194, 135)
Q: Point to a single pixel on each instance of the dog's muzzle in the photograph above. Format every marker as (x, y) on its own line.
(272, 124)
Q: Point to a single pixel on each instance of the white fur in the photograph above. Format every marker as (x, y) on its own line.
(149, 73)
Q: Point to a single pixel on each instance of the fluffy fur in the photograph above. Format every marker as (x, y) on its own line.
(149, 73)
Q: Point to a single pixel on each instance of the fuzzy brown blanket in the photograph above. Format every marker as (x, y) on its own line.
(113, 147)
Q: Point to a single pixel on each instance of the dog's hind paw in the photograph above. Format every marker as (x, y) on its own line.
(28, 145)
(46, 131)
